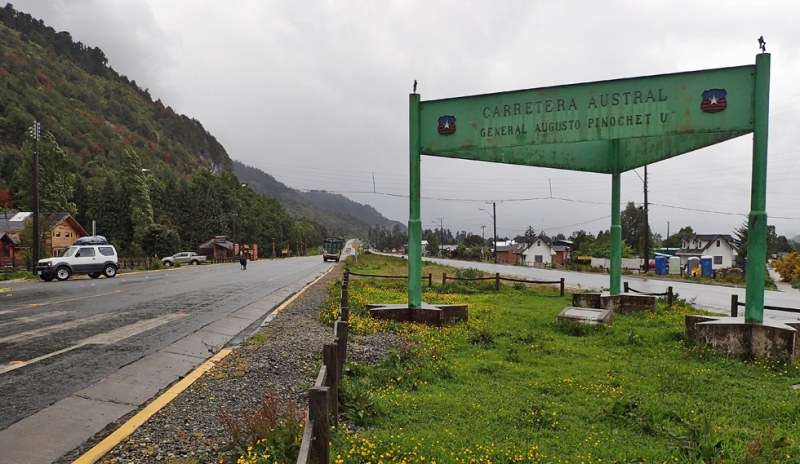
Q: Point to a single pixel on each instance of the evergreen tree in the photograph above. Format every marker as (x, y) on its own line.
(138, 194)
(55, 178)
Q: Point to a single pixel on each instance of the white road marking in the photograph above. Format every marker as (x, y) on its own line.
(26, 319)
(43, 332)
(107, 338)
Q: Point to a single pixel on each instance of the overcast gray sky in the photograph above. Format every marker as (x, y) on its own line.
(316, 94)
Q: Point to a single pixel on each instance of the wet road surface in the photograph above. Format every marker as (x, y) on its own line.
(57, 338)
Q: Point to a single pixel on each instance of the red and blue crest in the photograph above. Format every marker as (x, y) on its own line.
(447, 125)
(714, 101)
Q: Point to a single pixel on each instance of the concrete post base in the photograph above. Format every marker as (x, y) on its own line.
(624, 303)
(736, 337)
(435, 315)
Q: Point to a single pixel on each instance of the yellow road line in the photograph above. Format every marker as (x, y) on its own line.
(102, 448)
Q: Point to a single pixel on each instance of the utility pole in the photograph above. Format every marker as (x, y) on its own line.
(494, 218)
(234, 233)
(36, 252)
(441, 236)
(646, 226)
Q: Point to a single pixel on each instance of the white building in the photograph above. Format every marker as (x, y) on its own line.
(723, 249)
(539, 253)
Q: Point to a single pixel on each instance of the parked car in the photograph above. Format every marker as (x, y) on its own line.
(184, 257)
(91, 255)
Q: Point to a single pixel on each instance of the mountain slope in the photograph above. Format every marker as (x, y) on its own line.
(94, 112)
(340, 215)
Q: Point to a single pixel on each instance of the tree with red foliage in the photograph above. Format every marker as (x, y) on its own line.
(5, 199)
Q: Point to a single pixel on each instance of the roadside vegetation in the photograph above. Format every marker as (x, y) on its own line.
(789, 268)
(512, 385)
(15, 274)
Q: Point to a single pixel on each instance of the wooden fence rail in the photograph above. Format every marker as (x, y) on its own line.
(735, 303)
(668, 293)
(445, 278)
(323, 397)
(133, 263)
(429, 278)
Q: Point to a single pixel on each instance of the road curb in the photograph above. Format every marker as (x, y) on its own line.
(102, 448)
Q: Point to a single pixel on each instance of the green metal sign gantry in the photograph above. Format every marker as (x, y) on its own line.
(606, 127)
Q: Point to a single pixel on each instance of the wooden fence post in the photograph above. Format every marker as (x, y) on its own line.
(497, 281)
(430, 279)
(444, 278)
(562, 286)
(344, 313)
(329, 359)
(340, 332)
(318, 412)
(669, 296)
(625, 286)
(734, 305)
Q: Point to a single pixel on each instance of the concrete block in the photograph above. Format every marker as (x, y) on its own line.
(735, 336)
(626, 303)
(589, 316)
(434, 315)
(586, 300)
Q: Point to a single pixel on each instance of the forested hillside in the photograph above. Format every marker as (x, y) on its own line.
(339, 214)
(93, 112)
(153, 180)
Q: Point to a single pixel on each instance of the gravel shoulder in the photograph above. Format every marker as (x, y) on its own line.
(284, 359)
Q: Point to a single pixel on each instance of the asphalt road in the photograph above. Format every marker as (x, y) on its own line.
(716, 298)
(58, 339)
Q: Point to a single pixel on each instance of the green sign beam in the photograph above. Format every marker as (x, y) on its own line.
(606, 127)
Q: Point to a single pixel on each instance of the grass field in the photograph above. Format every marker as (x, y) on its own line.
(512, 385)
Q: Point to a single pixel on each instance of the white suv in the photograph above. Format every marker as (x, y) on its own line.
(90, 255)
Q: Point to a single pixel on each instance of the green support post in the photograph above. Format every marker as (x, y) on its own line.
(414, 222)
(757, 221)
(616, 237)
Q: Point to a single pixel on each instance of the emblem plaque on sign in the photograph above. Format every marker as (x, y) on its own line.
(447, 125)
(714, 101)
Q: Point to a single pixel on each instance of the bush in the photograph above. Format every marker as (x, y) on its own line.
(788, 267)
(469, 273)
(273, 429)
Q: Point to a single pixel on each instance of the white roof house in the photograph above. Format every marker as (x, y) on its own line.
(722, 248)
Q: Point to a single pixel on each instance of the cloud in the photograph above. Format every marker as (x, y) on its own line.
(316, 93)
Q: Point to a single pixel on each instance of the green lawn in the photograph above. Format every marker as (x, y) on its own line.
(512, 385)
